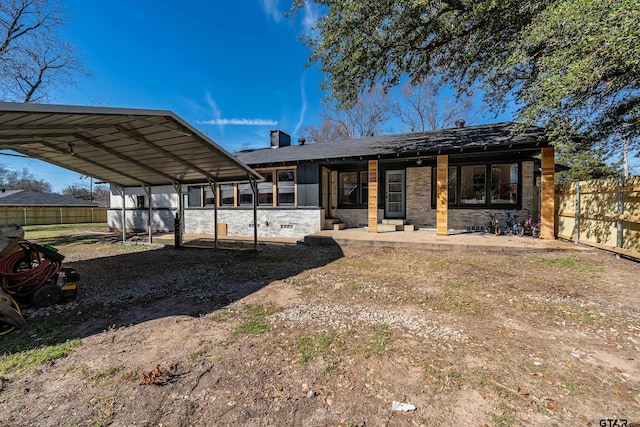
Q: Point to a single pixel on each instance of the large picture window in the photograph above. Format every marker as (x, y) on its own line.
(227, 195)
(504, 184)
(473, 185)
(481, 185)
(353, 188)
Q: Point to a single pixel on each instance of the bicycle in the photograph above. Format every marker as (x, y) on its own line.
(510, 225)
(494, 224)
(530, 226)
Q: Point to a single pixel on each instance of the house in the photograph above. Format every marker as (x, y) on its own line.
(444, 179)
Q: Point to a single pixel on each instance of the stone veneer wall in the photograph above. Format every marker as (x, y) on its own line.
(272, 222)
(161, 220)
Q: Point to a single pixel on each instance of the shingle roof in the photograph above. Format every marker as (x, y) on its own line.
(426, 143)
(33, 198)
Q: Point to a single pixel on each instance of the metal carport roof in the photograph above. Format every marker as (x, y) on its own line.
(125, 147)
(121, 146)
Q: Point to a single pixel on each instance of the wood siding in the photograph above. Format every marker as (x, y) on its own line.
(442, 196)
(373, 196)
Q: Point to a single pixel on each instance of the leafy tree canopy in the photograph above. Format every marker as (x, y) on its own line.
(571, 65)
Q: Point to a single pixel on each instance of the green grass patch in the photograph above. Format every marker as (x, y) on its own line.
(443, 380)
(253, 319)
(22, 361)
(571, 263)
(105, 374)
(379, 341)
(507, 418)
(315, 346)
(467, 307)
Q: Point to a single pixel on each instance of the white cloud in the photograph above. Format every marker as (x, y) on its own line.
(310, 17)
(271, 9)
(215, 111)
(303, 95)
(240, 122)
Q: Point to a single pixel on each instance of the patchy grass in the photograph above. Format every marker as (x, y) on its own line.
(443, 380)
(378, 343)
(105, 374)
(318, 345)
(571, 263)
(22, 361)
(253, 319)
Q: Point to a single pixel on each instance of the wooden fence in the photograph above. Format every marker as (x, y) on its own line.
(601, 213)
(34, 215)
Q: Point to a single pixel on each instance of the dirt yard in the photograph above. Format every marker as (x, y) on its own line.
(302, 336)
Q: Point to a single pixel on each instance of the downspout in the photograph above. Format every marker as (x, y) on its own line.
(254, 190)
(212, 185)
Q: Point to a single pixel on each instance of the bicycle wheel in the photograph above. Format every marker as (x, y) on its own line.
(535, 231)
(497, 230)
(521, 230)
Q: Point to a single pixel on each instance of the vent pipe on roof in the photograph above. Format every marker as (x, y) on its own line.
(301, 140)
(279, 139)
(459, 123)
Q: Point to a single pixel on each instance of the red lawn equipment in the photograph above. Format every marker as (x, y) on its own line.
(34, 274)
(30, 274)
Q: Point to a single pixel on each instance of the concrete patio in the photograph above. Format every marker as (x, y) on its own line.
(424, 238)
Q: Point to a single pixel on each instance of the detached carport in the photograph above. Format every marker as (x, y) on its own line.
(124, 147)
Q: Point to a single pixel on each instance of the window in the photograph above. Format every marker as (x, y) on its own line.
(277, 189)
(504, 184)
(245, 194)
(470, 186)
(194, 196)
(140, 201)
(286, 187)
(265, 189)
(353, 188)
(209, 197)
(226, 195)
(473, 184)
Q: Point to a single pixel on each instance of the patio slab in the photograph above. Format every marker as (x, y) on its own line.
(427, 239)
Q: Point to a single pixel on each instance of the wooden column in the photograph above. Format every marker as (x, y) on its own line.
(442, 195)
(373, 196)
(547, 195)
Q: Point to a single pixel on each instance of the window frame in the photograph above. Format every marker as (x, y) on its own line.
(275, 202)
(487, 186)
(362, 184)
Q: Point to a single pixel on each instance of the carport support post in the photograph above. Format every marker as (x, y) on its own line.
(372, 202)
(442, 195)
(147, 191)
(123, 223)
(254, 190)
(212, 185)
(547, 210)
(177, 233)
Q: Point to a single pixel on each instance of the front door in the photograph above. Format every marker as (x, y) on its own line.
(394, 194)
(326, 192)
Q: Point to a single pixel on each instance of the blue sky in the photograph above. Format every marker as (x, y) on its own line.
(232, 69)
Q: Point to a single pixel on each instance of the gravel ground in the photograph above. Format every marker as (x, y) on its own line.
(294, 335)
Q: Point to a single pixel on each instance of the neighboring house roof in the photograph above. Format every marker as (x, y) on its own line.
(445, 141)
(33, 198)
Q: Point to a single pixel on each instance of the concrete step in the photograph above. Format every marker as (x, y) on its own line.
(394, 221)
(329, 222)
(409, 227)
(386, 228)
(339, 225)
